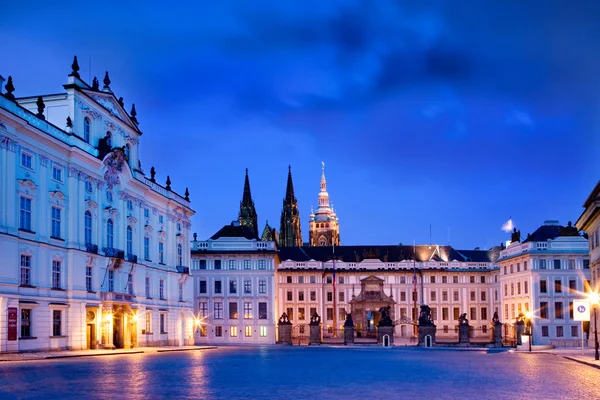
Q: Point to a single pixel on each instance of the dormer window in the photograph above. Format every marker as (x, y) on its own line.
(86, 129)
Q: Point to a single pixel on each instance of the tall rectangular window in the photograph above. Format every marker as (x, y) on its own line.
(203, 309)
(217, 264)
(433, 295)
(161, 289)
(218, 310)
(163, 323)
(262, 310)
(473, 295)
(26, 323)
(558, 309)
(56, 275)
(233, 287)
(473, 313)
(341, 296)
(557, 286)
(202, 287)
(301, 315)
(556, 264)
(57, 173)
(572, 285)
(484, 313)
(247, 310)
(542, 264)
(246, 264)
(233, 331)
(202, 264)
(88, 278)
(301, 295)
(148, 322)
(455, 295)
(147, 248)
(218, 331)
(329, 314)
(313, 295)
(180, 291)
(444, 295)
(161, 252)
(445, 313)
(248, 331)
(262, 264)
(232, 264)
(233, 310)
(111, 281)
(262, 287)
(290, 312)
(26, 160)
(25, 214)
(218, 287)
(247, 287)
(313, 279)
(543, 287)
(263, 331)
(87, 230)
(55, 222)
(25, 270)
(56, 323)
(544, 309)
(147, 288)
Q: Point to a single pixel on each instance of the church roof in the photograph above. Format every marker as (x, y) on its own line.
(385, 253)
(239, 231)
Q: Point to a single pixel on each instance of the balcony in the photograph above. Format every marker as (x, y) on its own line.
(132, 258)
(91, 248)
(117, 297)
(112, 252)
(183, 270)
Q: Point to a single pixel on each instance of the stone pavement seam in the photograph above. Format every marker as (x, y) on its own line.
(582, 362)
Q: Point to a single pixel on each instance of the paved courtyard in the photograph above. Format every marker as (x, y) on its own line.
(276, 372)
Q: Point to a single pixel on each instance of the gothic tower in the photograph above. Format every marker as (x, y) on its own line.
(247, 214)
(290, 234)
(324, 224)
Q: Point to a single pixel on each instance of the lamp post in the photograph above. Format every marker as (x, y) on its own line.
(529, 322)
(593, 297)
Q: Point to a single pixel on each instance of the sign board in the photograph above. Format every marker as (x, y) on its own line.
(12, 323)
(581, 310)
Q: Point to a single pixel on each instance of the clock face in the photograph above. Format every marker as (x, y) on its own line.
(88, 187)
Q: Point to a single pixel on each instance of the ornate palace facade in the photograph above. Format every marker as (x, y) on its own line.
(95, 254)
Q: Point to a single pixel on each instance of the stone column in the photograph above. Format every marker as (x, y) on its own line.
(348, 335)
(424, 331)
(315, 334)
(463, 334)
(497, 334)
(285, 333)
(383, 330)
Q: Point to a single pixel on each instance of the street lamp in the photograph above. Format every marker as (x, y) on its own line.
(593, 297)
(529, 322)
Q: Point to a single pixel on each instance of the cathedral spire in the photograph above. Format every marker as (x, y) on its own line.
(247, 215)
(289, 228)
(323, 223)
(323, 180)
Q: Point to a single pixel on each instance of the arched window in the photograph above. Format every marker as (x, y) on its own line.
(110, 237)
(127, 151)
(88, 227)
(86, 129)
(180, 254)
(109, 139)
(129, 240)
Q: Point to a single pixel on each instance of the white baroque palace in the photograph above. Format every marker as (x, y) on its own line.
(94, 254)
(543, 274)
(234, 280)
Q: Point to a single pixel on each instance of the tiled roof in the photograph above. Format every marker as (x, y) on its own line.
(546, 232)
(235, 231)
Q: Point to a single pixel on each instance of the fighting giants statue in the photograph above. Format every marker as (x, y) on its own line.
(385, 319)
(462, 320)
(315, 319)
(426, 327)
(425, 316)
(285, 329)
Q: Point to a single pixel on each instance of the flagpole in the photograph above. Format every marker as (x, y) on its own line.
(334, 295)
(415, 287)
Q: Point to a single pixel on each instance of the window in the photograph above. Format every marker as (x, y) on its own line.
(329, 314)
(248, 331)
(542, 264)
(232, 264)
(147, 248)
(559, 331)
(524, 265)
(432, 279)
(263, 331)
(444, 279)
(471, 279)
(455, 279)
(202, 264)
(525, 287)
(161, 219)
(300, 279)
(301, 295)
(146, 213)
(180, 291)
(473, 295)
(456, 313)
(56, 275)
(218, 310)
(341, 279)
(247, 287)
(25, 214)
(147, 287)
(202, 287)
(289, 295)
(290, 312)
(86, 129)
(544, 331)
(402, 279)
(233, 331)
(88, 278)
(572, 285)
(57, 173)
(483, 296)
(161, 289)
(518, 287)
(203, 309)
(161, 252)
(512, 289)
(262, 264)
(246, 264)
(313, 295)
(473, 313)
(56, 322)
(558, 310)
(25, 270)
(129, 240)
(87, 227)
(217, 264)
(26, 323)
(110, 238)
(111, 281)
(233, 287)
(262, 287)
(26, 160)
(455, 295)
(574, 331)
(341, 296)
(403, 296)
(329, 280)
(262, 310)
(433, 295)
(342, 314)
(247, 310)
(163, 323)
(557, 286)
(543, 287)
(288, 279)
(313, 279)
(89, 187)
(130, 284)
(217, 287)
(329, 296)
(556, 264)
(445, 313)
(434, 313)
(571, 309)
(586, 264)
(484, 313)
(218, 331)
(233, 310)
(109, 196)
(180, 254)
(544, 309)
(55, 222)
(571, 264)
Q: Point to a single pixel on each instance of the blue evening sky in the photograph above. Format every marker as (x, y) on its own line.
(457, 113)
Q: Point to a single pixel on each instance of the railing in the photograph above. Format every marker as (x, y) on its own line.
(114, 296)
(91, 248)
(131, 258)
(112, 252)
(183, 270)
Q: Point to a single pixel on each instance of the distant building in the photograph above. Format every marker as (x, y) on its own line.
(543, 274)
(234, 287)
(94, 252)
(247, 216)
(324, 229)
(290, 233)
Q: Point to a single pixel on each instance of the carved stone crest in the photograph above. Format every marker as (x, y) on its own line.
(114, 166)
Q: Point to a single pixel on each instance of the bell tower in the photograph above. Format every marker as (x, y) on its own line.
(290, 233)
(324, 224)
(247, 215)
